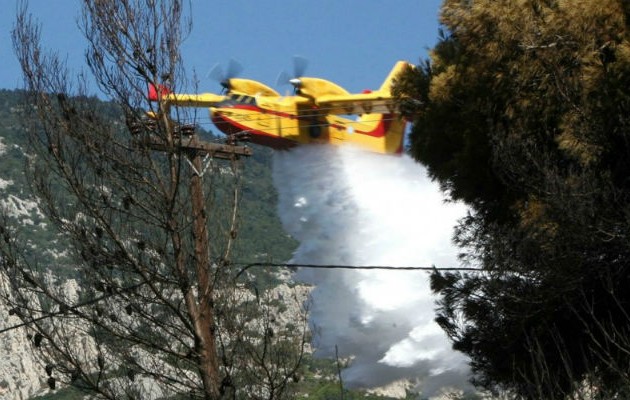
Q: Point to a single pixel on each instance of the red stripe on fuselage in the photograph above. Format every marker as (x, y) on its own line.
(230, 126)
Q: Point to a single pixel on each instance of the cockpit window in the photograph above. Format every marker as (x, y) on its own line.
(243, 99)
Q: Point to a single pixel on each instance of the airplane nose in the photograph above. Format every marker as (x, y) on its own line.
(219, 116)
(215, 112)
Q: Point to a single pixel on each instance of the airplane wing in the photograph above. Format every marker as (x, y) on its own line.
(378, 101)
(361, 103)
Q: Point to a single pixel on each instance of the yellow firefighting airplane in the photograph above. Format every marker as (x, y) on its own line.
(314, 114)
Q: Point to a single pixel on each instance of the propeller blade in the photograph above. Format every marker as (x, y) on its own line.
(234, 69)
(299, 66)
(283, 78)
(216, 73)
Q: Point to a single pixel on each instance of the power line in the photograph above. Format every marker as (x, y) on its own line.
(247, 266)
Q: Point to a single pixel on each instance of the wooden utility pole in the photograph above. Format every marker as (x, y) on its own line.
(204, 323)
(201, 308)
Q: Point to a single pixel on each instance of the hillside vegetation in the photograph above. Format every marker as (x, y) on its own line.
(261, 235)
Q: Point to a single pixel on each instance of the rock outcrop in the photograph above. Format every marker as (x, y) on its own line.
(20, 372)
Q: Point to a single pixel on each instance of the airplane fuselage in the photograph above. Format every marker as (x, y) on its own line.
(282, 123)
(320, 112)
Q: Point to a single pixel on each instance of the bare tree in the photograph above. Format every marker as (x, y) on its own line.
(150, 215)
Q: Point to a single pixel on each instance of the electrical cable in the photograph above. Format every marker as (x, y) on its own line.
(247, 266)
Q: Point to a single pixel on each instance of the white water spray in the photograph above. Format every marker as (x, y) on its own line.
(348, 207)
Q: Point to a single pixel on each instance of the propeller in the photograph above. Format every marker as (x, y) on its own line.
(216, 73)
(299, 68)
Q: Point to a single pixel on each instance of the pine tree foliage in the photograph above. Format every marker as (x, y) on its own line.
(523, 112)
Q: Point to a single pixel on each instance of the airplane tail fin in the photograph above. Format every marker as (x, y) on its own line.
(381, 133)
(399, 67)
(157, 92)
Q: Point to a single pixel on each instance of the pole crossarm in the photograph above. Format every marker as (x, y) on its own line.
(194, 145)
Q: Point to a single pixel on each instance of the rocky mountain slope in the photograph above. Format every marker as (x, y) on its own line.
(22, 375)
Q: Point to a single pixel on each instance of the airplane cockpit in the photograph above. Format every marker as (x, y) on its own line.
(242, 98)
(234, 99)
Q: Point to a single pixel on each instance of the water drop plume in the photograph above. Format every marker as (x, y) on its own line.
(348, 207)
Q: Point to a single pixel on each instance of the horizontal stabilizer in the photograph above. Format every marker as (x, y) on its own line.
(163, 93)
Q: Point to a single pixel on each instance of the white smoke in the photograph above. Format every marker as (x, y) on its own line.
(348, 207)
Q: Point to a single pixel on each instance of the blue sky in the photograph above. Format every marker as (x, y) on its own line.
(352, 42)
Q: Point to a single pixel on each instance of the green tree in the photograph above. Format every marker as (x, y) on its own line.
(523, 113)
